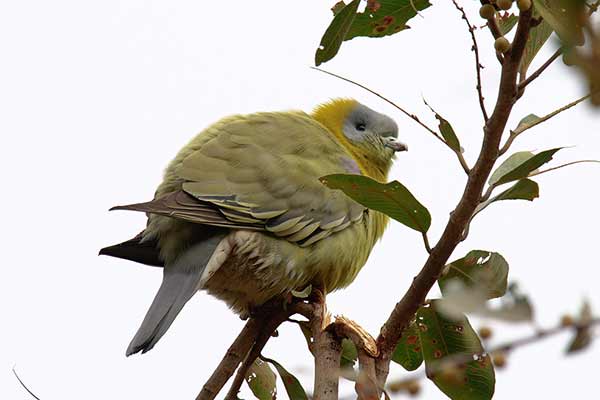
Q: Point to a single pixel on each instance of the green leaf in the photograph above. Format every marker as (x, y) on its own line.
(336, 33)
(304, 293)
(292, 385)
(507, 22)
(380, 18)
(562, 16)
(392, 199)
(349, 354)
(446, 130)
(390, 17)
(408, 351)
(441, 337)
(537, 38)
(261, 380)
(526, 123)
(520, 165)
(524, 189)
(478, 269)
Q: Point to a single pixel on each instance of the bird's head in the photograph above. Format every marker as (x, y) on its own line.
(369, 136)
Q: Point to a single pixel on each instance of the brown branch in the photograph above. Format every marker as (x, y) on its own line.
(269, 327)
(539, 71)
(366, 381)
(405, 309)
(327, 351)
(236, 353)
(478, 66)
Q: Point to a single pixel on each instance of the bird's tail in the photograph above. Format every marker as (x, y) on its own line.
(180, 282)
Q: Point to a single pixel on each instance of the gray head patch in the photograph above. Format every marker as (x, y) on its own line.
(363, 121)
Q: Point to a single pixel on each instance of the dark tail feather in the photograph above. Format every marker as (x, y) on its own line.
(145, 252)
(180, 283)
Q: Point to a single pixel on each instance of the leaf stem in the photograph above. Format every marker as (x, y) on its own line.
(562, 166)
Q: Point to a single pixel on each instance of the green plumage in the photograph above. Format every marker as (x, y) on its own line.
(257, 177)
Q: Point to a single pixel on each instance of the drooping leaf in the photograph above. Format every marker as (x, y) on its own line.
(584, 335)
(392, 199)
(520, 165)
(336, 32)
(562, 16)
(506, 22)
(408, 352)
(262, 380)
(538, 36)
(304, 293)
(444, 341)
(526, 123)
(480, 269)
(446, 130)
(380, 18)
(349, 354)
(292, 385)
(524, 189)
(514, 307)
(390, 17)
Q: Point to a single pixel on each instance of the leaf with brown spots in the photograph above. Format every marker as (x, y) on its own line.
(408, 352)
(446, 344)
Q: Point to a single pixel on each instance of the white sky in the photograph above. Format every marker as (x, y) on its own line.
(96, 98)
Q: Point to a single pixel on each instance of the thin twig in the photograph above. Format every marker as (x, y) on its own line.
(519, 130)
(459, 155)
(539, 71)
(412, 116)
(478, 66)
(458, 359)
(405, 309)
(23, 384)
(561, 166)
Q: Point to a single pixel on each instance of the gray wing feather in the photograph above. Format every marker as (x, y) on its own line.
(180, 283)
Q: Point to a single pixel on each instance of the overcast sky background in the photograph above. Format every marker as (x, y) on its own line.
(97, 97)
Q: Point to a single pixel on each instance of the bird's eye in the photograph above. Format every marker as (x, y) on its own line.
(361, 127)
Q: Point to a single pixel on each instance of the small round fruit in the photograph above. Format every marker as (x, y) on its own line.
(485, 332)
(487, 11)
(524, 5)
(502, 45)
(413, 388)
(567, 320)
(504, 4)
(499, 359)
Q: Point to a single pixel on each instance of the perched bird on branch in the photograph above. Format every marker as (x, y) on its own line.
(241, 212)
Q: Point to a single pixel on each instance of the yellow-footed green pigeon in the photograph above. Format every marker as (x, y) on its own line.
(241, 212)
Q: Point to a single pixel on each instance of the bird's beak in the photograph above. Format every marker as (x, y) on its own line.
(395, 145)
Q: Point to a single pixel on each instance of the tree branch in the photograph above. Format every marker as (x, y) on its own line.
(405, 309)
(478, 66)
(539, 71)
(270, 325)
(327, 352)
(236, 353)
